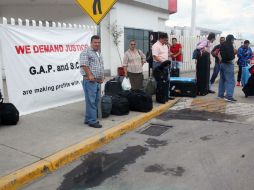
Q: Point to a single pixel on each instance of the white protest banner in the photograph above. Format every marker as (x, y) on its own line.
(42, 65)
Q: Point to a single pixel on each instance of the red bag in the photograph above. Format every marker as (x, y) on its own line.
(120, 71)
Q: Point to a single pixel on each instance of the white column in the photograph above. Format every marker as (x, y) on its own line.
(193, 18)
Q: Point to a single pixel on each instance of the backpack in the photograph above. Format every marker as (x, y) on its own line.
(106, 106)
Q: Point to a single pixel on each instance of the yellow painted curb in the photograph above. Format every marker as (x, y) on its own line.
(32, 172)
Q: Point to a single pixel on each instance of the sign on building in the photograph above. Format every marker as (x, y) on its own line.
(96, 9)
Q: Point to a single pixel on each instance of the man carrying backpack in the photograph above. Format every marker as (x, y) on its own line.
(227, 78)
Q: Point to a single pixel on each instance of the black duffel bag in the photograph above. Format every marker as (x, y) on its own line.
(138, 100)
(120, 105)
(106, 106)
(9, 114)
(113, 87)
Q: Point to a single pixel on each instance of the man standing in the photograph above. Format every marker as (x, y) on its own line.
(176, 53)
(227, 78)
(160, 50)
(215, 54)
(92, 70)
(244, 55)
(160, 54)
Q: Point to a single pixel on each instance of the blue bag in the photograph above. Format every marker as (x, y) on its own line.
(245, 75)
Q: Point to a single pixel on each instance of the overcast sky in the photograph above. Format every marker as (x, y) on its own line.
(228, 16)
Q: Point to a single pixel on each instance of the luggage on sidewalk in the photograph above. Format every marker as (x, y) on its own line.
(9, 114)
(150, 86)
(245, 75)
(248, 89)
(106, 106)
(162, 91)
(138, 100)
(203, 73)
(174, 72)
(184, 87)
(113, 87)
(120, 105)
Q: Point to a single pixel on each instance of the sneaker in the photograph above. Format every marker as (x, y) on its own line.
(220, 97)
(230, 99)
(238, 84)
(95, 125)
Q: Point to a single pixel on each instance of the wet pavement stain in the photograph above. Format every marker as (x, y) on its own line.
(155, 143)
(200, 115)
(97, 167)
(207, 138)
(156, 168)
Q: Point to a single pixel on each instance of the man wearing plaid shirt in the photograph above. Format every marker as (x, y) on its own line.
(92, 70)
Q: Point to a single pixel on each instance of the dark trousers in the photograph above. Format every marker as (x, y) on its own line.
(216, 71)
(239, 75)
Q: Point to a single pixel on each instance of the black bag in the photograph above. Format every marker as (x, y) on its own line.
(184, 87)
(120, 105)
(248, 89)
(113, 87)
(9, 114)
(106, 106)
(162, 91)
(139, 100)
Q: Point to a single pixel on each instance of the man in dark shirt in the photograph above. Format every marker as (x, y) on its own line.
(215, 53)
(227, 78)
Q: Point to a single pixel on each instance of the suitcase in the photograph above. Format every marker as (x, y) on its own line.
(245, 75)
(183, 87)
(113, 87)
(120, 71)
(120, 105)
(162, 91)
(9, 114)
(138, 100)
(174, 72)
(203, 73)
(106, 106)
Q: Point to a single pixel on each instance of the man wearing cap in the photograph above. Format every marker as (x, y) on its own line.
(227, 78)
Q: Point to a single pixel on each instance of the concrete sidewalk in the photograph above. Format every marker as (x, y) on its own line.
(39, 136)
(44, 141)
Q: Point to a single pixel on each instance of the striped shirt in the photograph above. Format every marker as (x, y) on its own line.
(133, 60)
(93, 60)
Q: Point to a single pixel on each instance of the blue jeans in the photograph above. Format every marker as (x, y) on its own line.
(92, 92)
(216, 71)
(227, 80)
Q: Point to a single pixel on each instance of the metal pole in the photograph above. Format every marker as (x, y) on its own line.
(193, 18)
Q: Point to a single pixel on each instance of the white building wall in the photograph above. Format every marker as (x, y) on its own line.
(135, 17)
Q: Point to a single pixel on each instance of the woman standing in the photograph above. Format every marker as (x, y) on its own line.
(203, 65)
(133, 65)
